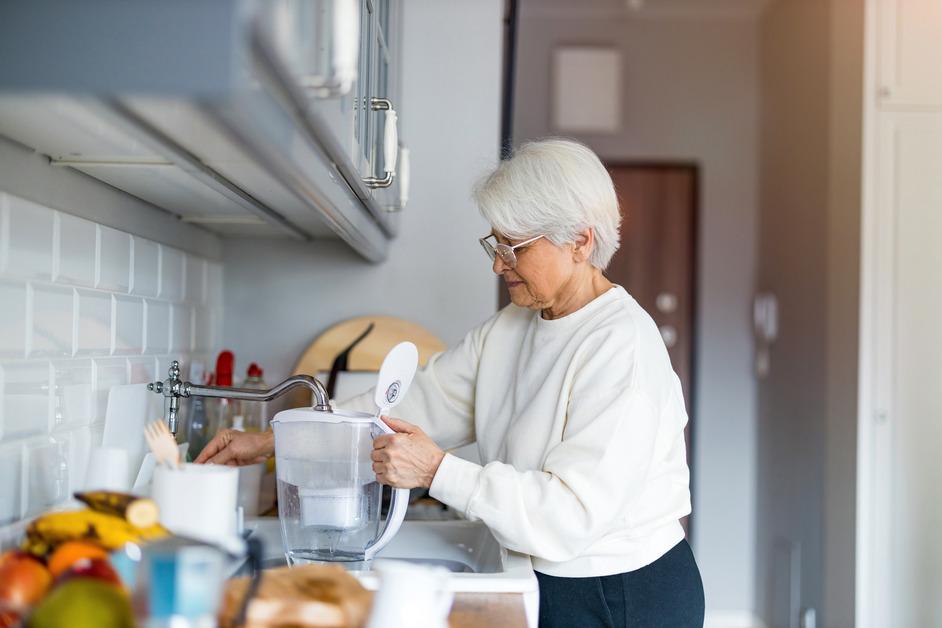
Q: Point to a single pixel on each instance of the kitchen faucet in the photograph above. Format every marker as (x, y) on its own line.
(172, 389)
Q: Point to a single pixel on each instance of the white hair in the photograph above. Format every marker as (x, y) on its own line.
(553, 187)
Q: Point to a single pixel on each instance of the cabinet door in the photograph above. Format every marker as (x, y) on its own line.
(388, 86)
(364, 88)
(899, 514)
(910, 53)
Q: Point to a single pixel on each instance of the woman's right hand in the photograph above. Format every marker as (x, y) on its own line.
(236, 448)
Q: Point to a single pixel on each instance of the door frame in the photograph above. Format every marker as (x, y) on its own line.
(875, 403)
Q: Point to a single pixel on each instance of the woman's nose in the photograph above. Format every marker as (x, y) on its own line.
(499, 265)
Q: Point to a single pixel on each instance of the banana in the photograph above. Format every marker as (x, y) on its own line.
(107, 530)
(139, 511)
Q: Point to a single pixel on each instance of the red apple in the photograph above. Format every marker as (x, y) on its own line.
(97, 568)
(23, 581)
(9, 619)
(17, 554)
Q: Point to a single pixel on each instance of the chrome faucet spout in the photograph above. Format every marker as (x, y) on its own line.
(173, 389)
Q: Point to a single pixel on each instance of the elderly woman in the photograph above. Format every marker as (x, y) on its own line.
(570, 396)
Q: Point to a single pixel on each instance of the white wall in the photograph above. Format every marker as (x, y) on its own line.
(83, 307)
(811, 69)
(690, 94)
(281, 294)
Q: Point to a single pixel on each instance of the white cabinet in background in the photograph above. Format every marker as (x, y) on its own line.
(910, 53)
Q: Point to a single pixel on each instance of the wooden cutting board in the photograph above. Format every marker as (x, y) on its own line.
(388, 331)
(322, 596)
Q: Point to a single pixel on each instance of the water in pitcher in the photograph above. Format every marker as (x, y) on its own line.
(329, 509)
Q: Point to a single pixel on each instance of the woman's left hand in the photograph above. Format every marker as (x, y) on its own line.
(406, 459)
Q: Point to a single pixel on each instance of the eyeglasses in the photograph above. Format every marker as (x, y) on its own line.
(505, 251)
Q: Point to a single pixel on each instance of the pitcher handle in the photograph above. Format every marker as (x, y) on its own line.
(397, 510)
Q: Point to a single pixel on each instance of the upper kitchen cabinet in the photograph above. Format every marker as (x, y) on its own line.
(249, 117)
(909, 53)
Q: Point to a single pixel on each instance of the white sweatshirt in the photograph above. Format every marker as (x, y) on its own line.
(580, 421)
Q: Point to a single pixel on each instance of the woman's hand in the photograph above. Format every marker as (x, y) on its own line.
(407, 459)
(236, 448)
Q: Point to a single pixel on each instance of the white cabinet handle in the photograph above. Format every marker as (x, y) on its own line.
(391, 141)
(390, 144)
(404, 175)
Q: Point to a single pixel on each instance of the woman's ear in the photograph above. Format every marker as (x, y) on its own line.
(583, 246)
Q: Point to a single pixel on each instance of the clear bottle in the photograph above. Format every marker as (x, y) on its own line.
(252, 415)
(221, 410)
(198, 428)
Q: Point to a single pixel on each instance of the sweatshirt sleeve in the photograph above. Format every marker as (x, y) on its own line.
(441, 397)
(587, 480)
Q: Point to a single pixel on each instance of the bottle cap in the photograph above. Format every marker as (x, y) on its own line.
(254, 370)
(224, 365)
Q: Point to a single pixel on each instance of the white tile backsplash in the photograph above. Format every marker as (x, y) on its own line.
(128, 327)
(93, 334)
(172, 273)
(81, 442)
(76, 241)
(195, 283)
(72, 402)
(157, 327)
(214, 279)
(27, 239)
(181, 328)
(145, 267)
(204, 329)
(113, 269)
(11, 481)
(52, 315)
(47, 472)
(142, 370)
(84, 307)
(26, 405)
(12, 319)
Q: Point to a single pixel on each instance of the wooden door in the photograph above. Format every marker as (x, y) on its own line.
(656, 260)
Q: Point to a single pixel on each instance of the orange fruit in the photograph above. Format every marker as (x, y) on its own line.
(70, 553)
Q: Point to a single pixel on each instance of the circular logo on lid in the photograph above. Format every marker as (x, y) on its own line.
(392, 393)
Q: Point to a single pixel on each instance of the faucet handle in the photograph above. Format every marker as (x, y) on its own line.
(157, 387)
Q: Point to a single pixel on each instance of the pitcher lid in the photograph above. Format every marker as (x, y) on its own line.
(300, 415)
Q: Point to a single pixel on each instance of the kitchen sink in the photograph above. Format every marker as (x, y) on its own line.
(477, 562)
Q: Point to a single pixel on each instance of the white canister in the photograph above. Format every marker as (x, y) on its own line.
(198, 501)
(410, 596)
(250, 483)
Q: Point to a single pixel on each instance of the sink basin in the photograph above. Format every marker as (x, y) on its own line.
(477, 562)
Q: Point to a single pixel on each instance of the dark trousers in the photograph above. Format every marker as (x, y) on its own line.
(667, 593)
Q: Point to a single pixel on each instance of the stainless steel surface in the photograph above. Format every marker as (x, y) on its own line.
(380, 104)
(372, 182)
(173, 389)
(454, 566)
(376, 182)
